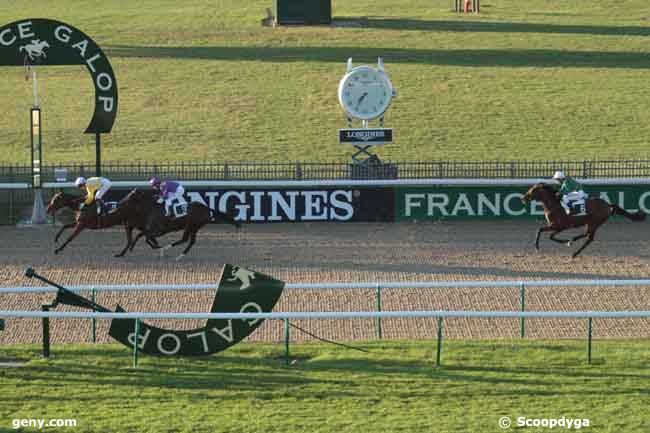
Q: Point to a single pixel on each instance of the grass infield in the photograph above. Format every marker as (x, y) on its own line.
(395, 387)
(204, 80)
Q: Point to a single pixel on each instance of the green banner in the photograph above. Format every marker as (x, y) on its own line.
(239, 291)
(443, 201)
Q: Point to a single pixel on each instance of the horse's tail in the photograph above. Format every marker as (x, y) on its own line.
(637, 216)
(216, 216)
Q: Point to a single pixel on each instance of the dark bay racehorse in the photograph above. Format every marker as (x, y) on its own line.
(198, 215)
(598, 212)
(86, 218)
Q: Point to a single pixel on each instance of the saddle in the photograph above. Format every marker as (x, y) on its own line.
(577, 208)
(178, 210)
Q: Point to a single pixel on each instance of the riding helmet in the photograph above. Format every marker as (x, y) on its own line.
(559, 175)
(154, 181)
(81, 181)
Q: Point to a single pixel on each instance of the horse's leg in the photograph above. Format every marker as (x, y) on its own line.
(135, 240)
(74, 234)
(539, 232)
(590, 234)
(192, 241)
(575, 238)
(559, 241)
(67, 226)
(185, 238)
(153, 242)
(129, 240)
(590, 238)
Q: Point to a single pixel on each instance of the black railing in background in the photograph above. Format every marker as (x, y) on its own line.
(340, 171)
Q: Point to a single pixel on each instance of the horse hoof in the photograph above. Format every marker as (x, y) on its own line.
(57, 251)
(568, 244)
(178, 259)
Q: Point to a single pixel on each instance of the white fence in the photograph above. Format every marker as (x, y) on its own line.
(378, 286)
(589, 315)
(327, 314)
(364, 285)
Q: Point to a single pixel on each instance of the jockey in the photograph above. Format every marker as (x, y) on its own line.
(573, 196)
(169, 192)
(95, 189)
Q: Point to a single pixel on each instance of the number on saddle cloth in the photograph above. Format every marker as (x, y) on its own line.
(110, 206)
(179, 209)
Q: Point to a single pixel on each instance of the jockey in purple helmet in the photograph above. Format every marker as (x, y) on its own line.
(169, 192)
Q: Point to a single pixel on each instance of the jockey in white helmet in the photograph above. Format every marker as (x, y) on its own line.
(95, 189)
(573, 196)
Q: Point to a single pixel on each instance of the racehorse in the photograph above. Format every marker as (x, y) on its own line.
(598, 211)
(86, 218)
(198, 215)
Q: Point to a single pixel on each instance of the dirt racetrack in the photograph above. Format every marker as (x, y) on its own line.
(302, 252)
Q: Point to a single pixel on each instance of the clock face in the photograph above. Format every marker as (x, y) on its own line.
(365, 93)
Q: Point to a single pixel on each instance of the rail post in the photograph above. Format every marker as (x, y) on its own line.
(378, 319)
(135, 343)
(46, 332)
(93, 321)
(439, 347)
(286, 342)
(522, 305)
(589, 340)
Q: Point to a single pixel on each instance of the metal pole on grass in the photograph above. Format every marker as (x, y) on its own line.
(93, 323)
(135, 343)
(286, 342)
(378, 320)
(439, 348)
(589, 340)
(522, 304)
(46, 332)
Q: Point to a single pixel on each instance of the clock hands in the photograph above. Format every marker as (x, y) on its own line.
(361, 99)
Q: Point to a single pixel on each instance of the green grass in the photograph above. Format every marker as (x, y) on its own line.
(203, 80)
(393, 388)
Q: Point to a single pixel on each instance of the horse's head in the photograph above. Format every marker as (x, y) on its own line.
(541, 192)
(61, 200)
(136, 201)
(133, 197)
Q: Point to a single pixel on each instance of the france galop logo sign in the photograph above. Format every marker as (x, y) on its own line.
(44, 42)
(239, 291)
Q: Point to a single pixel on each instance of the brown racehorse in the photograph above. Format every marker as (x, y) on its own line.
(198, 215)
(86, 218)
(598, 211)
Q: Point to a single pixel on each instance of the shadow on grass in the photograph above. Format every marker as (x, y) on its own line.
(263, 373)
(541, 58)
(493, 26)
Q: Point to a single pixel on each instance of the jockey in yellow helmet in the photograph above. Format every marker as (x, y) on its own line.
(95, 189)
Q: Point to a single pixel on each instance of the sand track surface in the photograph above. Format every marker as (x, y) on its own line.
(302, 252)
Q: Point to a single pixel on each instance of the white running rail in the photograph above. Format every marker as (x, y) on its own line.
(363, 285)
(325, 314)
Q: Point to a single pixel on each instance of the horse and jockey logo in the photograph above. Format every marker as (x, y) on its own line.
(35, 49)
(243, 275)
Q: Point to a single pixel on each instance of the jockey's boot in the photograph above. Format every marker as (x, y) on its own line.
(100, 207)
